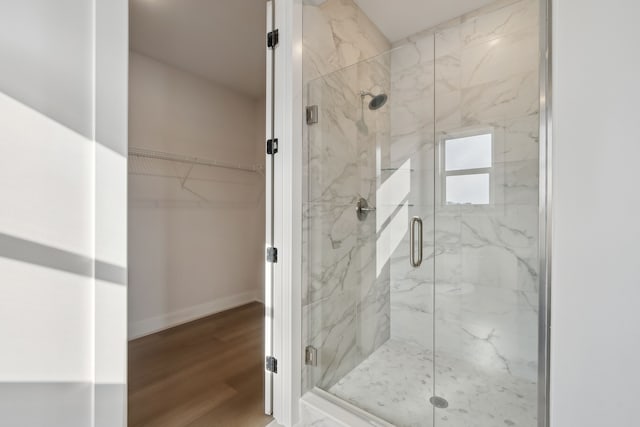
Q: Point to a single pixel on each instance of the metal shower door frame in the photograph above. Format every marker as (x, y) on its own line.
(289, 123)
(545, 210)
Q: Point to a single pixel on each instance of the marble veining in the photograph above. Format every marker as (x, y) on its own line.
(397, 380)
(373, 318)
(346, 303)
(477, 72)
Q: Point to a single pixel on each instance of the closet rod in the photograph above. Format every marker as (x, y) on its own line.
(159, 155)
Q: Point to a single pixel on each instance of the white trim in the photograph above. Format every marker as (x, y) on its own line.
(269, 269)
(151, 325)
(287, 302)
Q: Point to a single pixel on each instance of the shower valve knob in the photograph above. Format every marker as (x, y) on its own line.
(363, 209)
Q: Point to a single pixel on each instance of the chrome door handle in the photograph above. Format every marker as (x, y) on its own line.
(415, 221)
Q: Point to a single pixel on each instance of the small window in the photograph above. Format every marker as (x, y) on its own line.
(467, 169)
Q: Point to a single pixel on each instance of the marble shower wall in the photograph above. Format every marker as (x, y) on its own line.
(485, 69)
(410, 158)
(345, 298)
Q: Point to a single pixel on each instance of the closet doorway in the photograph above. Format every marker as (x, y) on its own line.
(196, 212)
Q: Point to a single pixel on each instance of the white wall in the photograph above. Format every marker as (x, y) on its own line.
(595, 326)
(53, 308)
(192, 255)
(63, 222)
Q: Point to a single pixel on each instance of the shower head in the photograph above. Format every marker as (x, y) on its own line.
(377, 101)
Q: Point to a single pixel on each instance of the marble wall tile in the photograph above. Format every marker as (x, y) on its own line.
(522, 136)
(337, 34)
(374, 316)
(486, 307)
(412, 312)
(499, 58)
(412, 86)
(511, 97)
(332, 332)
(334, 137)
(521, 182)
(333, 250)
(449, 44)
(495, 329)
(513, 18)
(485, 76)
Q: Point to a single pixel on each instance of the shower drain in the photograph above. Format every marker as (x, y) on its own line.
(439, 402)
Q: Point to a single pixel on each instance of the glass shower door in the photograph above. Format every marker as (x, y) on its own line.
(369, 305)
(486, 219)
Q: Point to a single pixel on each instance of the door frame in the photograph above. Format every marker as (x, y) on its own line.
(286, 305)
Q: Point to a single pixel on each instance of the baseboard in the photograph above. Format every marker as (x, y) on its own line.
(159, 323)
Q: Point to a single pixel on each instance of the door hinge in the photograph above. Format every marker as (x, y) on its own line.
(272, 146)
(311, 356)
(271, 364)
(312, 114)
(272, 254)
(272, 39)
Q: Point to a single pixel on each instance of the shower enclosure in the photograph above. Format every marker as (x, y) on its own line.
(421, 216)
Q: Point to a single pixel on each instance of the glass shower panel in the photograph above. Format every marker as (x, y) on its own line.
(369, 312)
(340, 247)
(486, 218)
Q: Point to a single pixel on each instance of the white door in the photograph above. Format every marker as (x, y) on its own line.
(63, 146)
(271, 364)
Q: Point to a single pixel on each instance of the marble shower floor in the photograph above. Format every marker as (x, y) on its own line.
(396, 382)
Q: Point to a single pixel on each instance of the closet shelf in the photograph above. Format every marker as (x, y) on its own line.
(159, 155)
(191, 173)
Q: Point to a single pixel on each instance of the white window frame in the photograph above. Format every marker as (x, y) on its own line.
(442, 144)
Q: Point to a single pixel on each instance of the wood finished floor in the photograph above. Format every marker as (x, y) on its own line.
(205, 373)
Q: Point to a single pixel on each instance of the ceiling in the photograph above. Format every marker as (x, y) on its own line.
(223, 40)
(220, 40)
(398, 19)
